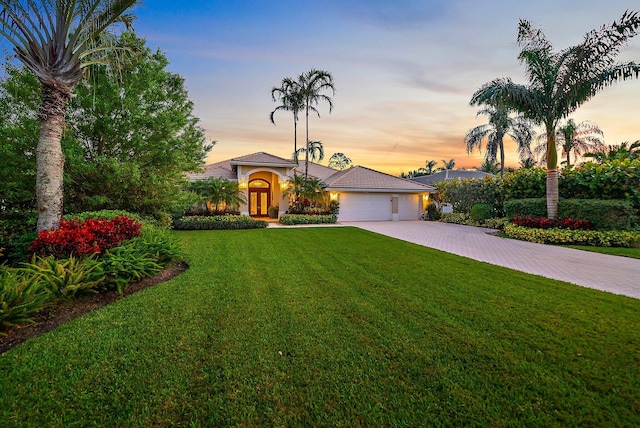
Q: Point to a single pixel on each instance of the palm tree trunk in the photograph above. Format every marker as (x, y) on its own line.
(501, 147)
(49, 158)
(295, 134)
(552, 175)
(306, 152)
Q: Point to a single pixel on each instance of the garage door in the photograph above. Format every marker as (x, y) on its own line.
(364, 207)
(409, 207)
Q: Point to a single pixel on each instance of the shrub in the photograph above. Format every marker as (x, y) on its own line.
(21, 297)
(607, 214)
(334, 208)
(66, 278)
(600, 238)
(127, 263)
(218, 223)
(273, 211)
(535, 207)
(291, 219)
(432, 212)
(455, 218)
(83, 238)
(481, 212)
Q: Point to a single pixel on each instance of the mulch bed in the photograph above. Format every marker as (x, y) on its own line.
(51, 318)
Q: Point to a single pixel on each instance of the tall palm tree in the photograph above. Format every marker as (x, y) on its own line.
(311, 86)
(56, 40)
(579, 138)
(500, 124)
(314, 150)
(450, 164)
(288, 93)
(560, 82)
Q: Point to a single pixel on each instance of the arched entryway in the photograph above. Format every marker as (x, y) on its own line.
(259, 197)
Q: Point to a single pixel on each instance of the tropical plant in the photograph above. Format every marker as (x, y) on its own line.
(217, 191)
(621, 152)
(429, 166)
(314, 151)
(339, 161)
(560, 82)
(577, 138)
(289, 95)
(489, 166)
(314, 191)
(56, 40)
(310, 87)
(500, 124)
(450, 164)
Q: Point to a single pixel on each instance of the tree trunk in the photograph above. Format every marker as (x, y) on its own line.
(306, 152)
(552, 175)
(501, 147)
(49, 158)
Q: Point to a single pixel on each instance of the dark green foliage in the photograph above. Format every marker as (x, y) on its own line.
(21, 296)
(16, 246)
(126, 264)
(604, 214)
(598, 238)
(66, 278)
(273, 211)
(464, 194)
(291, 219)
(532, 207)
(228, 222)
(524, 183)
(433, 212)
(481, 212)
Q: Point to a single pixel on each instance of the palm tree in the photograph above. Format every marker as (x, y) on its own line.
(314, 190)
(314, 150)
(500, 124)
(619, 152)
(310, 86)
(450, 164)
(560, 82)
(428, 167)
(339, 161)
(56, 40)
(289, 95)
(579, 138)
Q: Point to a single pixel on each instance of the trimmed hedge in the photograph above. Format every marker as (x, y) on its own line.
(481, 212)
(291, 219)
(226, 222)
(464, 219)
(599, 238)
(609, 214)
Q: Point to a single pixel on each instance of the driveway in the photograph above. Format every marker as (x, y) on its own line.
(619, 275)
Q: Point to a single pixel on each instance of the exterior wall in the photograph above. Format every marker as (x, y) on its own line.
(409, 207)
(276, 177)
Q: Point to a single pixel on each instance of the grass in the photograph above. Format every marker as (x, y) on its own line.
(334, 327)
(614, 251)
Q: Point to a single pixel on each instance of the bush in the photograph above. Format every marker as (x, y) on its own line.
(481, 212)
(128, 263)
(433, 212)
(218, 223)
(600, 238)
(83, 238)
(534, 207)
(273, 211)
(21, 297)
(455, 218)
(66, 278)
(291, 219)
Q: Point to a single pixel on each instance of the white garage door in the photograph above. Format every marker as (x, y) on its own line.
(365, 207)
(409, 207)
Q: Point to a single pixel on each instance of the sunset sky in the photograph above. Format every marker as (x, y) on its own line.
(404, 71)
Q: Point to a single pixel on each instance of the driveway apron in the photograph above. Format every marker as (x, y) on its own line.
(619, 275)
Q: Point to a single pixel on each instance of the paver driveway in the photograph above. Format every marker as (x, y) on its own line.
(620, 275)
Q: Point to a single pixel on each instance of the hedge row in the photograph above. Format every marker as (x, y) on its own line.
(291, 219)
(227, 222)
(599, 238)
(603, 214)
(465, 219)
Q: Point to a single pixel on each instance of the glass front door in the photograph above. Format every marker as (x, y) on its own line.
(258, 202)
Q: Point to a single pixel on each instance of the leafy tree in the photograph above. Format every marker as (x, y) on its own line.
(131, 140)
(289, 95)
(310, 86)
(56, 40)
(500, 124)
(339, 161)
(560, 82)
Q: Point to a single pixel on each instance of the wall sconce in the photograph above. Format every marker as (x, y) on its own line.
(333, 196)
(425, 197)
(243, 184)
(283, 185)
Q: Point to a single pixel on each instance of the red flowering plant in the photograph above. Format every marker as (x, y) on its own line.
(547, 223)
(84, 238)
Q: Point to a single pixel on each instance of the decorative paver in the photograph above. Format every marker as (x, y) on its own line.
(619, 275)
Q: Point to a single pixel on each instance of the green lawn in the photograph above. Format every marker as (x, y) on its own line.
(614, 251)
(334, 327)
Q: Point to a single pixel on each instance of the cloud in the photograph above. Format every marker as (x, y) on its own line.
(394, 15)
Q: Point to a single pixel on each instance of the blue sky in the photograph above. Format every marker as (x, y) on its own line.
(404, 71)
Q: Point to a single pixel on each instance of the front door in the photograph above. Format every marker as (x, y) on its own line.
(259, 198)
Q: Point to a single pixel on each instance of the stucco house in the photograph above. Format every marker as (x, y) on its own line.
(363, 193)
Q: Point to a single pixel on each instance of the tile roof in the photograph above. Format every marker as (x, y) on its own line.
(262, 158)
(222, 169)
(360, 178)
(450, 174)
(315, 170)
